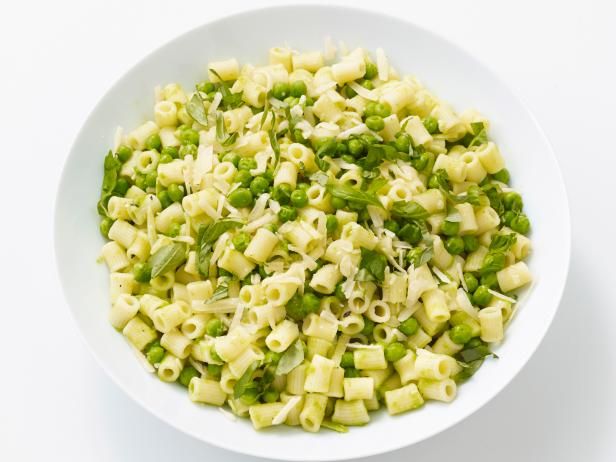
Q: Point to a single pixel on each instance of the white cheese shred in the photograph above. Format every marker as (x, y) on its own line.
(286, 409)
(502, 296)
(442, 276)
(382, 65)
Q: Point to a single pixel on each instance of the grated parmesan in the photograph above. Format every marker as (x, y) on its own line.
(364, 92)
(227, 305)
(461, 276)
(286, 409)
(442, 276)
(382, 65)
(341, 347)
(502, 296)
(215, 102)
(356, 130)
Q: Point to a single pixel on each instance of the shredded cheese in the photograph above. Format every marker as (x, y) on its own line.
(142, 359)
(382, 64)
(439, 274)
(364, 92)
(330, 49)
(215, 102)
(237, 316)
(341, 347)
(227, 305)
(461, 276)
(286, 410)
(356, 130)
(502, 296)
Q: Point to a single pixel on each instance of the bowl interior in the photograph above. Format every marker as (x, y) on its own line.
(452, 74)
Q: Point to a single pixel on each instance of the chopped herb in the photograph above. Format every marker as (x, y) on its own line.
(373, 262)
(245, 380)
(168, 258)
(291, 358)
(196, 109)
(348, 193)
(409, 210)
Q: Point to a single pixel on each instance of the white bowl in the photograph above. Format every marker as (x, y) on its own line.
(442, 66)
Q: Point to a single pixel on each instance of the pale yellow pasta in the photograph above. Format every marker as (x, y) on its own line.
(311, 61)
(224, 171)
(251, 143)
(240, 363)
(124, 308)
(282, 336)
(433, 366)
(170, 316)
(138, 333)
(278, 55)
(490, 157)
(358, 388)
(236, 263)
(262, 415)
(137, 137)
(171, 173)
(441, 257)
(177, 343)
(491, 322)
(317, 346)
(147, 161)
(318, 375)
(165, 114)
(435, 305)
(445, 346)
(486, 218)
(279, 293)
(350, 412)
(403, 399)
(169, 368)
(261, 246)
(301, 155)
(439, 390)
(336, 388)
(419, 339)
(325, 279)
(513, 277)
(378, 311)
(114, 256)
(230, 346)
(475, 172)
(351, 324)
(320, 327)
(474, 260)
(372, 358)
(296, 379)
(206, 391)
(455, 168)
(227, 70)
(432, 200)
(287, 174)
(313, 412)
(139, 250)
(405, 367)
(195, 326)
(121, 283)
(359, 236)
(468, 223)
(168, 217)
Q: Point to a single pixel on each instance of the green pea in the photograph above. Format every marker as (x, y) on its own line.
(489, 280)
(206, 87)
(454, 245)
(474, 343)
(356, 147)
(367, 84)
(348, 158)
(392, 226)
(520, 224)
(231, 157)
(189, 136)
(299, 198)
(471, 243)
(214, 370)
(150, 179)
(394, 351)
(269, 176)
(348, 92)
(142, 272)
(258, 186)
(187, 374)
(460, 334)
(280, 90)
(155, 353)
(351, 373)
(368, 139)
(450, 228)
(431, 124)
(121, 186)
(187, 150)
(502, 176)
(153, 143)
(271, 395)
(105, 226)
(375, 123)
(409, 327)
(176, 192)
(282, 193)
(298, 88)
(165, 159)
(338, 203)
(410, 233)
(421, 162)
(246, 163)
(331, 224)
(124, 153)
(347, 360)
(471, 282)
(215, 328)
(272, 357)
(310, 302)
(371, 71)
(241, 197)
(368, 327)
(214, 354)
(382, 109)
(433, 182)
(508, 217)
(224, 272)
(513, 201)
(370, 109)
(339, 293)
(241, 241)
(481, 297)
(287, 213)
(140, 181)
(341, 149)
(250, 396)
(495, 261)
(171, 151)
(298, 135)
(243, 177)
(174, 230)
(403, 143)
(163, 197)
(295, 309)
(309, 101)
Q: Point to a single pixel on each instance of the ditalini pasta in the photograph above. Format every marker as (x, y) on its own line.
(312, 239)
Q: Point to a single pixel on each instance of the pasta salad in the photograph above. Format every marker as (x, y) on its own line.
(310, 240)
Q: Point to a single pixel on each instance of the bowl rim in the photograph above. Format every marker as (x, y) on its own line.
(397, 444)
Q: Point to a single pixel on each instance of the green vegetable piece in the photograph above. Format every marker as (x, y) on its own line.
(243, 177)
(272, 357)
(171, 151)
(291, 358)
(168, 258)
(299, 198)
(460, 334)
(142, 272)
(155, 353)
(409, 210)
(241, 197)
(214, 371)
(150, 179)
(165, 159)
(298, 88)
(347, 360)
(247, 163)
(481, 297)
(124, 153)
(196, 109)
(394, 351)
(411, 233)
(215, 328)
(513, 201)
(356, 147)
(368, 327)
(431, 124)
(240, 241)
(350, 194)
(409, 326)
(287, 213)
(231, 157)
(403, 143)
(471, 282)
(471, 243)
(245, 381)
(174, 230)
(489, 280)
(502, 176)
(310, 303)
(271, 395)
(331, 224)
(175, 192)
(392, 226)
(163, 197)
(153, 143)
(189, 136)
(450, 228)
(371, 71)
(295, 309)
(187, 150)
(375, 123)
(259, 185)
(351, 373)
(492, 262)
(374, 263)
(338, 203)
(280, 90)
(282, 193)
(187, 374)
(454, 245)
(105, 225)
(520, 224)
(206, 87)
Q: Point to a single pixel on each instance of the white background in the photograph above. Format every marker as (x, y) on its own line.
(59, 57)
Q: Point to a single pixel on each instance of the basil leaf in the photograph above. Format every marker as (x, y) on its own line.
(409, 210)
(220, 127)
(348, 193)
(322, 164)
(334, 426)
(493, 192)
(374, 262)
(376, 185)
(265, 113)
(196, 109)
(291, 358)
(222, 291)
(420, 255)
(502, 242)
(275, 146)
(110, 179)
(230, 140)
(229, 100)
(168, 258)
(364, 275)
(204, 257)
(481, 135)
(245, 380)
(468, 370)
(473, 354)
(210, 233)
